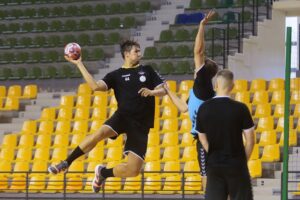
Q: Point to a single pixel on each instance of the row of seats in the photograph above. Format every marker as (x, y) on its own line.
(28, 92)
(73, 10)
(49, 56)
(70, 25)
(60, 40)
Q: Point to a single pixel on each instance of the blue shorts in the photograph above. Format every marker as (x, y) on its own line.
(193, 106)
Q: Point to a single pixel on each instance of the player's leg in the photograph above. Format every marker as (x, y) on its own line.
(216, 185)
(202, 162)
(84, 147)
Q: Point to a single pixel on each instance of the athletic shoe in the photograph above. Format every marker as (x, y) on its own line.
(98, 179)
(55, 169)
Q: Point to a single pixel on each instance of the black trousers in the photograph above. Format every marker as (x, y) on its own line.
(224, 181)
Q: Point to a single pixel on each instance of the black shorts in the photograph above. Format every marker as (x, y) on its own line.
(232, 181)
(137, 134)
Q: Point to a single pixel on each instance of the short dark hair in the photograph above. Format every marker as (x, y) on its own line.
(211, 67)
(226, 74)
(127, 46)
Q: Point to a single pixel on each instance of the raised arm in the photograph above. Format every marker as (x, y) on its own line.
(100, 85)
(199, 46)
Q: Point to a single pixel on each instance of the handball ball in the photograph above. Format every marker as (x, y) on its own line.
(73, 51)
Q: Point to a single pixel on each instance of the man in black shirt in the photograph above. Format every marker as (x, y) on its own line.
(221, 124)
(134, 86)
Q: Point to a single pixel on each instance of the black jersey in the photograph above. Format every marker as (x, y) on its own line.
(223, 121)
(126, 82)
(203, 88)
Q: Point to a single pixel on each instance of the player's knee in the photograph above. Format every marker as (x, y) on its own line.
(134, 172)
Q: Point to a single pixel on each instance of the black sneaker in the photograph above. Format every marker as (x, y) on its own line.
(98, 179)
(55, 169)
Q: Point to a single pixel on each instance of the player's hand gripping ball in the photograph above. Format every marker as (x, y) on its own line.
(73, 51)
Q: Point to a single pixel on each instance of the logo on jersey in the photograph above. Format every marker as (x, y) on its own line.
(142, 78)
(126, 76)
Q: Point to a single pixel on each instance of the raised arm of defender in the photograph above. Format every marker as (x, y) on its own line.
(199, 48)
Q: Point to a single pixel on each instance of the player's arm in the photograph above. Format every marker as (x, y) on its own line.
(157, 91)
(203, 139)
(249, 141)
(181, 105)
(100, 85)
(199, 46)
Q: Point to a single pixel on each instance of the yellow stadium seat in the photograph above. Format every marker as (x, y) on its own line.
(48, 114)
(295, 84)
(169, 139)
(83, 101)
(113, 102)
(41, 154)
(74, 184)
(7, 154)
(191, 168)
(112, 185)
(9, 140)
(43, 141)
(20, 168)
(1, 102)
(293, 138)
(11, 103)
(189, 154)
(260, 97)
(193, 185)
(30, 92)
(55, 184)
(242, 97)
(24, 154)
(240, 85)
(14, 91)
(95, 126)
(271, 153)
(185, 86)
(76, 140)
(59, 154)
(278, 97)
(5, 166)
(166, 101)
(61, 140)
(255, 152)
(152, 154)
(45, 127)
(2, 91)
(118, 142)
(113, 154)
(267, 138)
(152, 168)
(111, 111)
(172, 85)
(170, 153)
(171, 168)
(280, 124)
(65, 114)
(37, 183)
(169, 112)
(84, 89)
(18, 184)
(186, 126)
(67, 101)
(170, 125)
(297, 128)
(255, 168)
(80, 127)
(63, 127)
(187, 140)
(278, 110)
(26, 141)
(76, 169)
(82, 113)
(96, 155)
(276, 84)
(263, 110)
(172, 185)
(265, 124)
(153, 139)
(295, 97)
(99, 114)
(132, 185)
(258, 85)
(3, 183)
(152, 184)
(100, 100)
(39, 166)
(296, 112)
